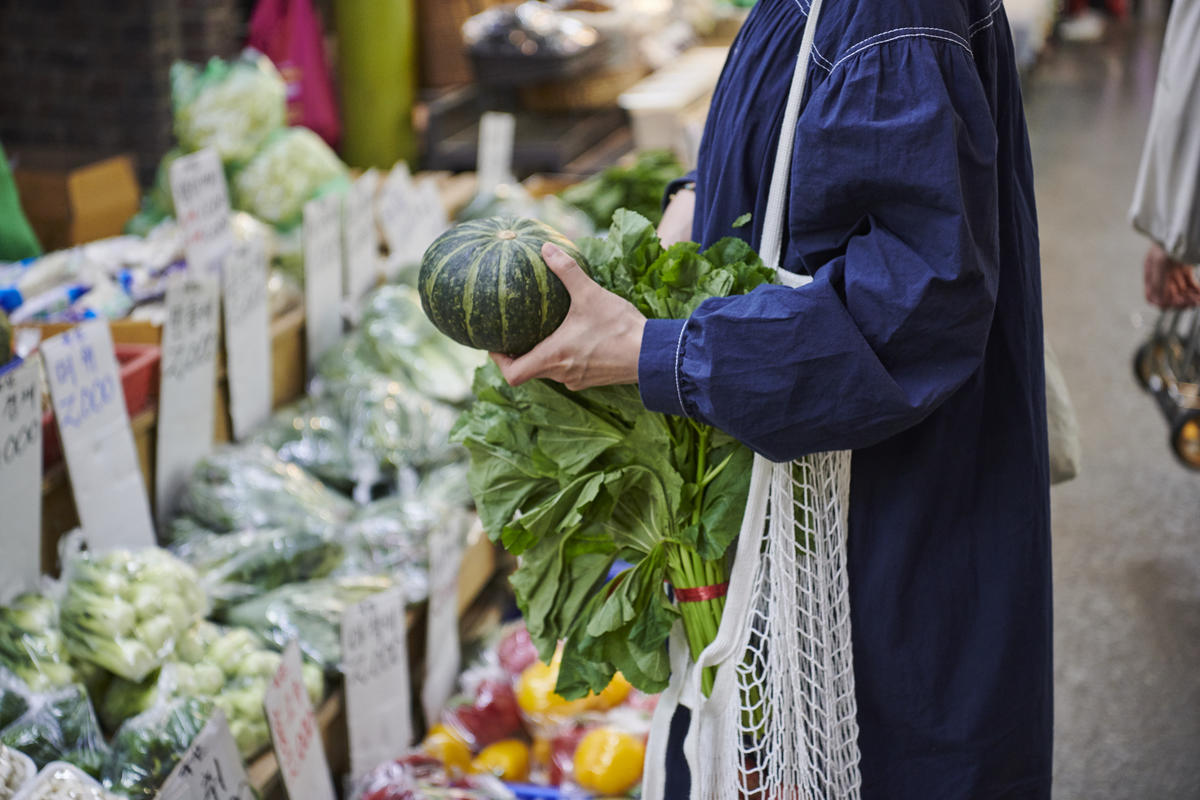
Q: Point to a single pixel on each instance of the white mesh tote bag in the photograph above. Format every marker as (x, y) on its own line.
(780, 722)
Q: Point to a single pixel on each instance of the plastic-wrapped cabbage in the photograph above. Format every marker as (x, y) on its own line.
(148, 746)
(310, 613)
(230, 666)
(310, 435)
(293, 166)
(237, 566)
(123, 610)
(31, 645)
(391, 537)
(59, 726)
(446, 487)
(239, 488)
(230, 106)
(14, 698)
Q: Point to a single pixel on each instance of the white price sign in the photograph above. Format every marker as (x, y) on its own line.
(433, 220)
(375, 665)
(495, 157)
(294, 732)
(442, 654)
(211, 769)
(20, 477)
(186, 396)
(322, 274)
(397, 206)
(247, 336)
(202, 208)
(361, 237)
(93, 424)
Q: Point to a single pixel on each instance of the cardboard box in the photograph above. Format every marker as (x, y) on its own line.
(71, 199)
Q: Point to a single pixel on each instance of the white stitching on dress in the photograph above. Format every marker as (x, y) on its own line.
(982, 24)
(952, 39)
(822, 61)
(918, 28)
(679, 367)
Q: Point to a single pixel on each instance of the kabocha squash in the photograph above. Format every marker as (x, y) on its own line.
(484, 284)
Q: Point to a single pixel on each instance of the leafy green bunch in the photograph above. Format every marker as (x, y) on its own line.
(572, 481)
(638, 187)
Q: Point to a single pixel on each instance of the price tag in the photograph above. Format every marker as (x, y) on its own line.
(322, 274)
(375, 664)
(211, 769)
(295, 734)
(185, 398)
(202, 208)
(20, 477)
(247, 337)
(494, 161)
(434, 220)
(361, 237)
(442, 654)
(397, 208)
(93, 424)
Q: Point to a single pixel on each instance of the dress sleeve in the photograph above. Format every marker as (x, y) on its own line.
(1166, 202)
(893, 210)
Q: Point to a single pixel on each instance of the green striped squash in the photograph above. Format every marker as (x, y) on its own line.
(484, 284)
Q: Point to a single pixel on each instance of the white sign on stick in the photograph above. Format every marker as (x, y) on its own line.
(20, 477)
(322, 274)
(186, 407)
(442, 654)
(247, 336)
(202, 208)
(497, 132)
(397, 209)
(361, 237)
(375, 665)
(295, 734)
(93, 424)
(211, 769)
(433, 220)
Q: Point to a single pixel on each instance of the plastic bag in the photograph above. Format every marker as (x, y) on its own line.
(289, 32)
(15, 697)
(122, 610)
(148, 746)
(310, 613)
(62, 780)
(418, 776)
(293, 167)
(31, 644)
(391, 537)
(17, 771)
(230, 106)
(59, 726)
(310, 435)
(237, 488)
(238, 566)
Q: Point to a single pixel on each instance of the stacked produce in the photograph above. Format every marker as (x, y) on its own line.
(59, 726)
(510, 724)
(639, 188)
(148, 746)
(65, 782)
(32, 646)
(122, 611)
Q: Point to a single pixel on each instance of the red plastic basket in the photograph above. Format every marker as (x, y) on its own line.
(139, 365)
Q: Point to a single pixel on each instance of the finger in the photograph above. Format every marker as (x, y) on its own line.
(524, 368)
(566, 268)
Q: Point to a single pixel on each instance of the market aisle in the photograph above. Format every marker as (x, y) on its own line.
(1127, 532)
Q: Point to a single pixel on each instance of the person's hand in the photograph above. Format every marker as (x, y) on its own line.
(598, 343)
(676, 225)
(1169, 283)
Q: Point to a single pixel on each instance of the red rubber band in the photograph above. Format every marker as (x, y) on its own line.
(701, 593)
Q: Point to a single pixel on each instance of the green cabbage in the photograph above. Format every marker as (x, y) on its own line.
(230, 106)
(293, 166)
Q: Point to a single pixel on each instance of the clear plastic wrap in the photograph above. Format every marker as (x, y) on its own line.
(230, 106)
(415, 777)
(230, 666)
(15, 697)
(245, 487)
(238, 566)
(32, 646)
(63, 781)
(148, 746)
(391, 537)
(17, 771)
(122, 610)
(310, 613)
(310, 435)
(59, 726)
(293, 166)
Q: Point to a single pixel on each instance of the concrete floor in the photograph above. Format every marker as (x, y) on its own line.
(1127, 531)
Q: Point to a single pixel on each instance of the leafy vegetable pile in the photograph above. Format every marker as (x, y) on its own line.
(59, 726)
(638, 188)
(32, 646)
(573, 481)
(148, 746)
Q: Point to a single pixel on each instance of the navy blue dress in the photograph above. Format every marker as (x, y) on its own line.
(918, 345)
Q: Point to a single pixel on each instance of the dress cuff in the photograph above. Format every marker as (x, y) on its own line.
(675, 186)
(658, 366)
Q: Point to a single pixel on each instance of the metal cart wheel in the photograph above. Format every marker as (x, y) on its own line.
(1143, 363)
(1185, 439)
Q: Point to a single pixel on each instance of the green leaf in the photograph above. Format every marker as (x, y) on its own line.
(743, 220)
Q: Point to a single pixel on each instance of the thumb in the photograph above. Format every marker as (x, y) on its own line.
(566, 268)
